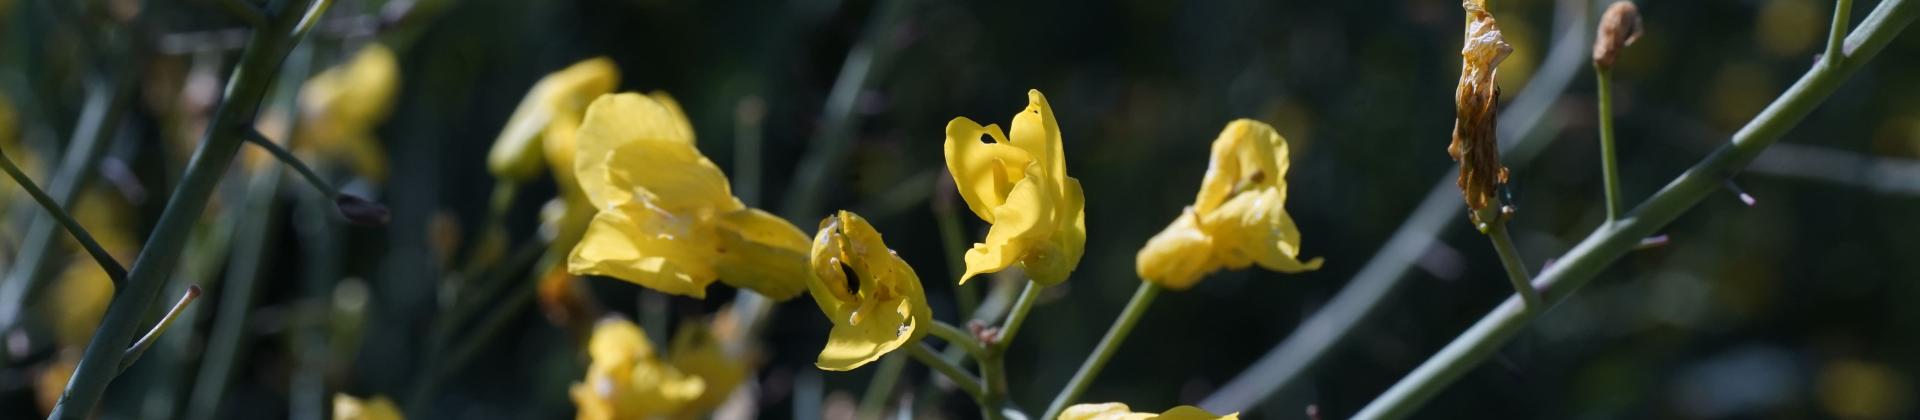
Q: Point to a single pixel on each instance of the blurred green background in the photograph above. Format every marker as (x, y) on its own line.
(1798, 307)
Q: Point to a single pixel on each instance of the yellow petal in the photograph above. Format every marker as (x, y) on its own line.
(1035, 130)
(1178, 256)
(697, 352)
(516, 154)
(346, 407)
(683, 127)
(764, 253)
(1254, 227)
(983, 173)
(1019, 224)
(630, 144)
(1244, 156)
(877, 312)
(1120, 411)
(645, 245)
(618, 342)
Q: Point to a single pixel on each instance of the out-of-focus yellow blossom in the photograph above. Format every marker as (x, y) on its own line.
(1119, 411)
(346, 407)
(1238, 219)
(667, 218)
(872, 297)
(698, 351)
(1020, 185)
(626, 380)
(341, 106)
(551, 112)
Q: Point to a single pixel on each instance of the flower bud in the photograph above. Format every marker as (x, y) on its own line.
(1619, 27)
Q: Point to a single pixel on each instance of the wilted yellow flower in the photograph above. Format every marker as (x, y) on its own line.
(1020, 185)
(667, 218)
(1119, 411)
(346, 407)
(341, 106)
(1474, 144)
(1238, 219)
(625, 379)
(551, 112)
(872, 297)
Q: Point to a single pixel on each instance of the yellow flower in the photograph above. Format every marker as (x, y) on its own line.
(346, 407)
(1238, 219)
(698, 351)
(626, 380)
(1020, 185)
(341, 106)
(1119, 411)
(667, 218)
(872, 297)
(551, 112)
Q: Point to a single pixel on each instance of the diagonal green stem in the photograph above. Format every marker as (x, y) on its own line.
(957, 338)
(114, 270)
(1836, 35)
(287, 157)
(1016, 317)
(252, 77)
(965, 381)
(1516, 269)
(1610, 241)
(1109, 344)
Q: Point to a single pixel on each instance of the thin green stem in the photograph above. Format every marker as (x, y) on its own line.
(223, 349)
(958, 338)
(153, 335)
(1516, 269)
(252, 78)
(1109, 344)
(965, 381)
(1609, 161)
(1836, 37)
(114, 270)
(100, 119)
(1607, 243)
(993, 374)
(954, 244)
(1016, 317)
(287, 157)
(881, 388)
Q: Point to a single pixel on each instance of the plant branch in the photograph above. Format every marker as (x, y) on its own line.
(1610, 241)
(1516, 269)
(1609, 161)
(287, 157)
(252, 78)
(1836, 36)
(965, 381)
(1109, 344)
(113, 268)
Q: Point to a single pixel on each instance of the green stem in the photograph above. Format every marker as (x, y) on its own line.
(1611, 241)
(251, 79)
(1016, 317)
(965, 381)
(954, 242)
(153, 335)
(993, 374)
(114, 270)
(99, 120)
(1516, 269)
(958, 338)
(1836, 37)
(1109, 344)
(1609, 162)
(881, 388)
(253, 216)
(287, 157)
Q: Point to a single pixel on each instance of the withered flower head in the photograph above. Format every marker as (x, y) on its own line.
(1474, 144)
(1618, 29)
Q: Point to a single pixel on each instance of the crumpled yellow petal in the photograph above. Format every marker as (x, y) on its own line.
(762, 252)
(1035, 130)
(649, 246)
(882, 308)
(1019, 224)
(697, 352)
(624, 379)
(631, 144)
(984, 173)
(1254, 228)
(346, 407)
(1177, 257)
(1120, 411)
(558, 98)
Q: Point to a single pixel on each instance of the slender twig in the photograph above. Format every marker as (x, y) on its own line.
(1109, 344)
(1610, 241)
(881, 388)
(965, 381)
(286, 157)
(1836, 36)
(956, 337)
(1516, 269)
(1016, 317)
(1522, 125)
(153, 335)
(114, 270)
(252, 77)
(253, 217)
(1609, 162)
(100, 119)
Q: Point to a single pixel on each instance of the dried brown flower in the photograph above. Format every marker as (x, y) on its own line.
(1619, 27)
(1475, 145)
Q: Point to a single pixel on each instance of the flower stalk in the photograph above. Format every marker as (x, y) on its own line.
(113, 268)
(1109, 344)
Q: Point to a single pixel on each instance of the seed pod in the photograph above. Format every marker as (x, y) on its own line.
(1475, 144)
(1619, 27)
